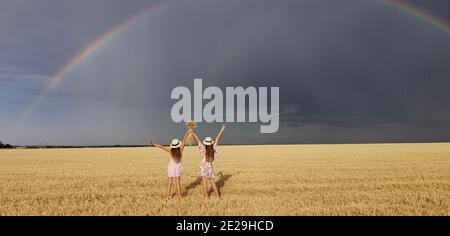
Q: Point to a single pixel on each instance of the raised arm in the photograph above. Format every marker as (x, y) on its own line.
(196, 138)
(184, 139)
(219, 135)
(159, 146)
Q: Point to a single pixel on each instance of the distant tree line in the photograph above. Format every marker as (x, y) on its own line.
(87, 146)
(6, 145)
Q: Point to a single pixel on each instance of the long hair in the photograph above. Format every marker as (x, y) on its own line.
(209, 153)
(175, 153)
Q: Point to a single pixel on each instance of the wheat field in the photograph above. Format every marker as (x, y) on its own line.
(362, 179)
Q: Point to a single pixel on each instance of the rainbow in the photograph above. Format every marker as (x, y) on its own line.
(85, 52)
(97, 43)
(104, 38)
(416, 12)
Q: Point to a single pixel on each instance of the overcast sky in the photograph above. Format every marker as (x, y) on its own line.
(348, 71)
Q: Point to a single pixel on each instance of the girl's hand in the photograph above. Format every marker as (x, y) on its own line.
(219, 134)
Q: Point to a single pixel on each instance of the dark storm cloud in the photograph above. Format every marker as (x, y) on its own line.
(46, 33)
(68, 94)
(359, 69)
(348, 71)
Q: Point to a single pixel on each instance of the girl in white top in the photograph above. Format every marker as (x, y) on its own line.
(208, 149)
(175, 167)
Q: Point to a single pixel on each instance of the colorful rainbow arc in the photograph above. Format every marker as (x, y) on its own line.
(421, 14)
(108, 35)
(86, 52)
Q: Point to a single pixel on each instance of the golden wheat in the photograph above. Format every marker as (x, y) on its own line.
(369, 179)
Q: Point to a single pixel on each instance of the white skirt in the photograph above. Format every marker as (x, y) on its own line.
(174, 169)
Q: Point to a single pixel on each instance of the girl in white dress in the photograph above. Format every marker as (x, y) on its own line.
(208, 149)
(175, 167)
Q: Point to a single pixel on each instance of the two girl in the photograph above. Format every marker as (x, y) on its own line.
(208, 150)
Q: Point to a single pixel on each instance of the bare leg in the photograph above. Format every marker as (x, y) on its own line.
(205, 186)
(178, 186)
(169, 187)
(216, 189)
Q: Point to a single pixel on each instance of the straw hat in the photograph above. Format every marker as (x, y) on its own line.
(175, 143)
(208, 141)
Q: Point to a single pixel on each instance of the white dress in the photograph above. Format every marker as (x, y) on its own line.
(174, 169)
(206, 167)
